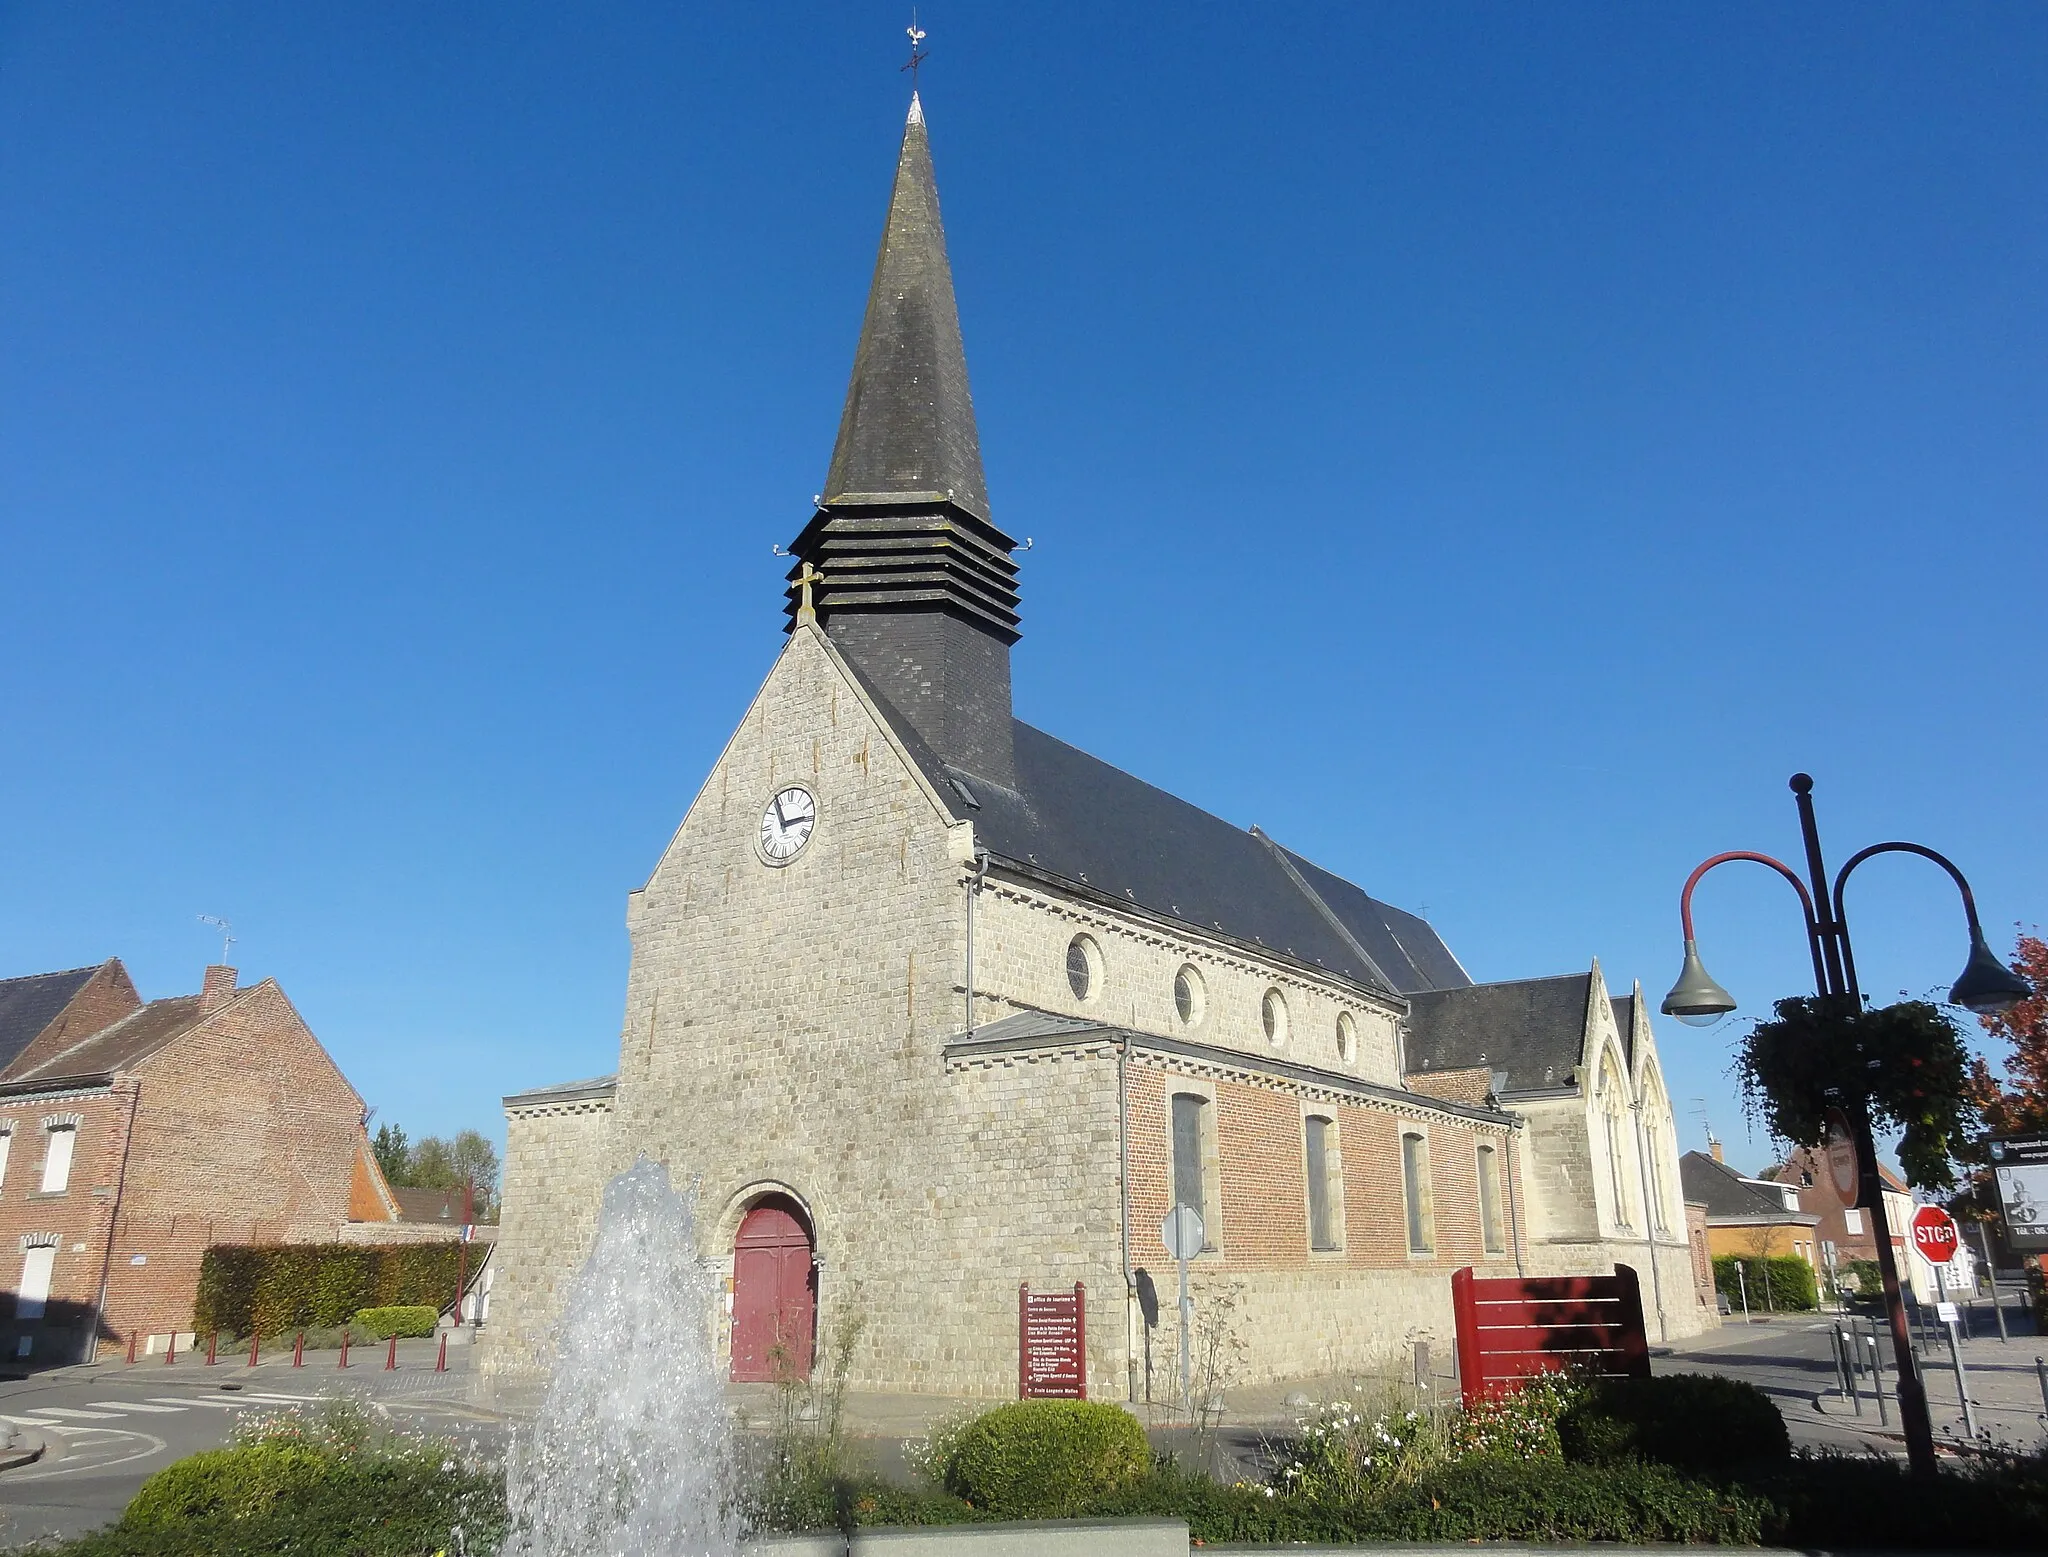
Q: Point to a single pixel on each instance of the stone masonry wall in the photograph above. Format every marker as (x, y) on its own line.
(556, 1160)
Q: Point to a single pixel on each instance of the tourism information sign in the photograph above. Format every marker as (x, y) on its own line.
(2021, 1169)
(1934, 1235)
(1052, 1344)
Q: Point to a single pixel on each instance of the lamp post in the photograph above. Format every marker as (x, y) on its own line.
(1987, 987)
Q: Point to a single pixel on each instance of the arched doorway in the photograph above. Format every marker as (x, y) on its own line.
(774, 1294)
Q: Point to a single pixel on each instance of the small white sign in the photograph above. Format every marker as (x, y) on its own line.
(1946, 1313)
(138, 1259)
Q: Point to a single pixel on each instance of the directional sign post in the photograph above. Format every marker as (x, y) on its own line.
(1183, 1234)
(1934, 1235)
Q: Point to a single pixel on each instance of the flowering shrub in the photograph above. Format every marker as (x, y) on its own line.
(1346, 1452)
(1521, 1424)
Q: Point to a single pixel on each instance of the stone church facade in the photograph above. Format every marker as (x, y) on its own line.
(927, 1004)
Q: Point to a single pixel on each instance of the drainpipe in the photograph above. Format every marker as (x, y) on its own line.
(1650, 1215)
(1513, 1144)
(1123, 1158)
(974, 881)
(99, 1307)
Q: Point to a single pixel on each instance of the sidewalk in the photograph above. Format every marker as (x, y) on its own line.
(2008, 1390)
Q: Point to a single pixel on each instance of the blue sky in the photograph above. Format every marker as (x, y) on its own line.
(1488, 446)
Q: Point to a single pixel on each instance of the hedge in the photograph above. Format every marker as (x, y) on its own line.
(1778, 1283)
(379, 1324)
(1697, 1422)
(269, 1289)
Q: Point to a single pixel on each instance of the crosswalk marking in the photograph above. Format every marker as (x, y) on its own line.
(199, 1400)
(83, 1416)
(133, 1405)
(46, 1425)
(281, 1400)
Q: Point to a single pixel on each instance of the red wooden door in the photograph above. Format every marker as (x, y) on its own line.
(774, 1301)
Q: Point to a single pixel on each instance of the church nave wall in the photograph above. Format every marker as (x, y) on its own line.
(1022, 935)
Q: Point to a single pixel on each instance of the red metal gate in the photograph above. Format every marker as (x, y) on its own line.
(1512, 1327)
(774, 1295)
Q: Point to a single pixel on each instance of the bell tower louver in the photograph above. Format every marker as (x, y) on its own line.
(919, 589)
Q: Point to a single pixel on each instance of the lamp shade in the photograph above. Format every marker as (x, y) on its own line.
(1987, 987)
(1696, 999)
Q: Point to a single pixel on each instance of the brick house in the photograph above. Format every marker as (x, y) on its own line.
(133, 1135)
(928, 1004)
(1750, 1217)
(1850, 1231)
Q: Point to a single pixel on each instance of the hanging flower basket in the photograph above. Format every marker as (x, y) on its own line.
(1905, 1064)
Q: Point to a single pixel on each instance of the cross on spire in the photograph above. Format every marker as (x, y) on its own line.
(917, 56)
(805, 611)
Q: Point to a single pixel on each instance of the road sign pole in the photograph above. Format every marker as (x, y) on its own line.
(1955, 1352)
(1991, 1277)
(1187, 1321)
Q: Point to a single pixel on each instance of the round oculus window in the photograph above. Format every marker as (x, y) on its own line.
(1084, 967)
(1273, 1014)
(1187, 995)
(1347, 1037)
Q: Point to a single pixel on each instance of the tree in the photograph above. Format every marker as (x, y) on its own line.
(432, 1165)
(475, 1161)
(2018, 1104)
(392, 1154)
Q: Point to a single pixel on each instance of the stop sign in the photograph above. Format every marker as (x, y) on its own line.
(1934, 1235)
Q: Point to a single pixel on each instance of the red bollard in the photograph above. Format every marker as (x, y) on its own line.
(212, 1345)
(131, 1348)
(344, 1350)
(255, 1343)
(171, 1351)
(441, 1362)
(299, 1351)
(391, 1353)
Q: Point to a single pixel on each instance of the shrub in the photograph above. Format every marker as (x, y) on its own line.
(321, 1483)
(1046, 1459)
(278, 1288)
(238, 1483)
(1521, 1422)
(1778, 1283)
(1492, 1498)
(1694, 1421)
(1346, 1452)
(407, 1319)
(1836, 1501)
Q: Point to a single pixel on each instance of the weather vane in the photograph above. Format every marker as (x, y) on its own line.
(917, 56)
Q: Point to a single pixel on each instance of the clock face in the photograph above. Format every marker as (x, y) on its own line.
(786, 824)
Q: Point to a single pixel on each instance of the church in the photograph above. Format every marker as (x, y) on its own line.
(930, 1006)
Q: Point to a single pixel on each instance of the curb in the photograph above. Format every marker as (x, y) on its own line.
(14, 1459)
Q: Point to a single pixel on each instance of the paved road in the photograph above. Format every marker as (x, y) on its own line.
(1790, 1359)
(109, 1426)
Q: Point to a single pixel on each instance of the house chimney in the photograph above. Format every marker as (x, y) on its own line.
(1713, 1145)
(218, 989)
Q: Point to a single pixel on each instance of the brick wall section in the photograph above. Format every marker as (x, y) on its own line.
(243, 1130)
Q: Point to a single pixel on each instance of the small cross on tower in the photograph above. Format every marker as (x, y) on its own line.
(805, 611)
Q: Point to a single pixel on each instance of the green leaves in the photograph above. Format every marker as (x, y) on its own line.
(1904, 1065)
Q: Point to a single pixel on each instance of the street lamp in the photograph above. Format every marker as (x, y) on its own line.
(1987, 987)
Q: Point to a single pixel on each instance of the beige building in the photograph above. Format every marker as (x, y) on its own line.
(929, 1005)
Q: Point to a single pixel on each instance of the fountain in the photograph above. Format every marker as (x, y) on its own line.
(631, 1454)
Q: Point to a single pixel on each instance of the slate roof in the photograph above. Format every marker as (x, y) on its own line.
(1023, 1031)
(122, 1045)
(1721, 1190)
(28, 1005)
(1534, 1029)
(1079, 818)
(565, 1092)
(907, 429)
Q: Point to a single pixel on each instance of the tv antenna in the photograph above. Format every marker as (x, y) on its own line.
(1699, 1106)
(227, 934)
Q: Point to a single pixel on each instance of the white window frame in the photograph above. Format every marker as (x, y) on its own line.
(59, 1147)
(1333, 1179)
(1418, 1202)
(38, 1266)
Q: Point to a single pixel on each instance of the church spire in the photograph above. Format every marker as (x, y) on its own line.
(911, 578)
(908, 426)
